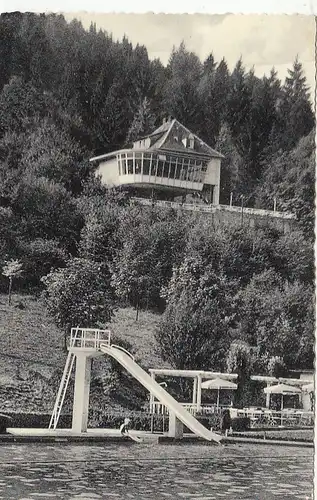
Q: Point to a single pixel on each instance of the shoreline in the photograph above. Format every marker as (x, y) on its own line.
(104, 436)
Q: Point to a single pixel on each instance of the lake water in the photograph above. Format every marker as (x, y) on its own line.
(151, 471)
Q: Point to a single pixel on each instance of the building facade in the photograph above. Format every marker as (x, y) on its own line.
(168, 163)
(174, 168)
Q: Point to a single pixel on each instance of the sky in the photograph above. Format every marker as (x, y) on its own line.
(263, 41)
(308, 7)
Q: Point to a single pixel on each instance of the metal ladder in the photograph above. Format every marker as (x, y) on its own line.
(78, 339)
(62, 390)
(64, 383)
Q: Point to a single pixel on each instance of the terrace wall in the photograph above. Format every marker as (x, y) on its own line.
(222, 214)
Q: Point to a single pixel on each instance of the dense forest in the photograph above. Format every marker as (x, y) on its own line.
(67, 94)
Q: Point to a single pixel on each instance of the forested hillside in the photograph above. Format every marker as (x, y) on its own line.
(67, 94)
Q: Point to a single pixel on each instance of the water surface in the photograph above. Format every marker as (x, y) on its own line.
(115, 471)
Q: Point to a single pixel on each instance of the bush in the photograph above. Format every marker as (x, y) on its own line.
(210, 422)
(39, 257)
(240, 424)
(5, 421)
(79, 294)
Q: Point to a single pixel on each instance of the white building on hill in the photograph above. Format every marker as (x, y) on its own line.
(169, 162)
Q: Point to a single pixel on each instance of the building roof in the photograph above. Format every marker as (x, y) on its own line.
(166, 131)
(164, 137)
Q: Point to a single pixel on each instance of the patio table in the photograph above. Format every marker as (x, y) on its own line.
(254, 415)
(305, 417)
(288, 418)
(271, 418)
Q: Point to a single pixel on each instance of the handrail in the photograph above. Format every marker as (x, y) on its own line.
(214, 208)
(122, 349)
(73, 336)
(89, 337)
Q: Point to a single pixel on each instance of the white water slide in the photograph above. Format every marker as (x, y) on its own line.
(164, 397)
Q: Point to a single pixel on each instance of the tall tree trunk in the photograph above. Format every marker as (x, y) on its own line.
(10, 290)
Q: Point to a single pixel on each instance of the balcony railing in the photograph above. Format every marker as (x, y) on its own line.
(213, 208)
(258, 417)
(88, 338)
(158, 408)
(272, 418)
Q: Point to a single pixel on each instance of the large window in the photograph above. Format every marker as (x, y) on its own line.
(146, 164)
(178, 170)
(138, 163)
(154, 165)
(184, 171)
(130, 165)
(123, 165)
(119, 164)
(166, 169)
(162, 166)
(172, 170)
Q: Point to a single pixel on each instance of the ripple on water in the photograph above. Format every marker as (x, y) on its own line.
(87, 496)
(184, 472)
(44, 495)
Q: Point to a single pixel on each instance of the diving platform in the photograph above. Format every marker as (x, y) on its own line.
(84, 345)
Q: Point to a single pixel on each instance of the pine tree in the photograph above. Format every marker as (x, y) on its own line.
(9, 26)
(180, 93)
(117, 113)
(209, 126)
(231, 167)
(156, 88)
(252, 116)
(139, 73)
(290, 178)
(239, 118)
(210, 65)
(143, 122)
(239, 105)
(222, 81)
(296, 114)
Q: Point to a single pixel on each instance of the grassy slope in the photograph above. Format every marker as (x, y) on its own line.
(31, 349)
(140, 334)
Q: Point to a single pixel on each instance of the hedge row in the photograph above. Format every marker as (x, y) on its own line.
(146, 422)
(139, 421)
(31, 420)
(292, 435)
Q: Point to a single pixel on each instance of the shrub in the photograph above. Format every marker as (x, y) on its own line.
(39, 257)
(240, 424)
(5, 421)
(36, 420)
(79, 294)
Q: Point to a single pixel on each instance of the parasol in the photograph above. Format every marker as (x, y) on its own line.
(218, 384)
(282, 389)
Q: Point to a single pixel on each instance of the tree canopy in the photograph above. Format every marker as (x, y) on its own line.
(66, 94)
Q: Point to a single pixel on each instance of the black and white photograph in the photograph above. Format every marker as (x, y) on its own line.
(157, 266)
